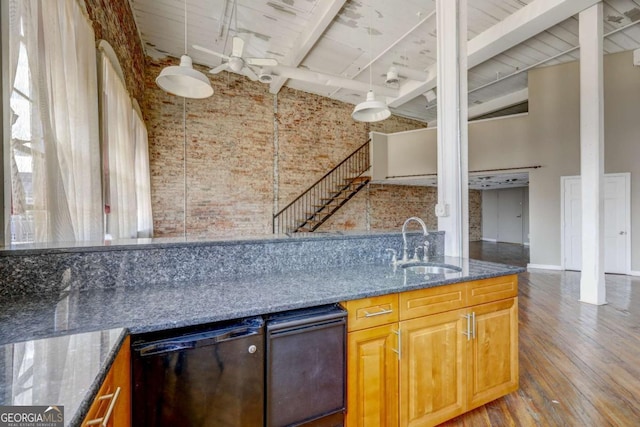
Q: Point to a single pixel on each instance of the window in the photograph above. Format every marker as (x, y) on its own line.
(125, 156)
(57, 191)
(54, 153)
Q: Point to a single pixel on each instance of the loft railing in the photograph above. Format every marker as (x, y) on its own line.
(321, 200)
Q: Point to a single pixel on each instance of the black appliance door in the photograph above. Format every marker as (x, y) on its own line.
(206, 378)
(306, 367)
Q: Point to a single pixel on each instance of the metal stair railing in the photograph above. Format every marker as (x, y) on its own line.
(321, 200)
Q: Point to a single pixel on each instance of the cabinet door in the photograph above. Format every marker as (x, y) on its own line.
(432, 364)
(372, 379)
(121, 370)
(493, 358)
(113, 401)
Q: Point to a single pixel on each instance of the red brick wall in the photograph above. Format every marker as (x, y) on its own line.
(113, 21)
(231, 150)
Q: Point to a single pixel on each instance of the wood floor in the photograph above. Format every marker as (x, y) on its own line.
(579, 363)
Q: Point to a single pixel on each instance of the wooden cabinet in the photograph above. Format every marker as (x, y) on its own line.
(372, 377)
(372, 361)
(432, 368)
(493, 353)
(112, 405)
(442, 352)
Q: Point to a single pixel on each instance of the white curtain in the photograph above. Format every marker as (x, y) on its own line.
(55, 134)
(119, 158)
(142, 176)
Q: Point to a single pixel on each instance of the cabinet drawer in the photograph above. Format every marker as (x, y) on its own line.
(369, 312)
(493, 289)
(439, 299)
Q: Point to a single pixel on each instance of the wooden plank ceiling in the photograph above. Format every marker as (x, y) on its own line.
(326, 44)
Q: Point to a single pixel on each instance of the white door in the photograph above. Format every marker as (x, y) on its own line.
(510, 215)
(572, 223)
(616, 223)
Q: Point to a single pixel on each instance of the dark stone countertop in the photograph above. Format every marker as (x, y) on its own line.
(154, 307)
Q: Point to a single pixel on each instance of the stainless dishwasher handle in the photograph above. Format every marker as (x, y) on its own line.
(377, 313)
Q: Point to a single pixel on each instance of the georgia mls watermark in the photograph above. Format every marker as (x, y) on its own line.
(31, 416)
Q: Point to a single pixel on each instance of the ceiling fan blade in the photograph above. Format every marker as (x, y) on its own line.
(238, 47)
(249, 73)
(261, 62)
(209, 51)
(219, 68)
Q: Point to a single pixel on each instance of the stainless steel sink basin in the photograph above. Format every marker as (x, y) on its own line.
(423, 268)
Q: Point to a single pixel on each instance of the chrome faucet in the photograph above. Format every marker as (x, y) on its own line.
(405, 256)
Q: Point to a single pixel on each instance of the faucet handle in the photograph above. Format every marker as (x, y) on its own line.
(425, 251)
(394, 256)
(415, 254)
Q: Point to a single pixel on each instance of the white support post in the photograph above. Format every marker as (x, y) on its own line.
(452, 209)
(592, 284)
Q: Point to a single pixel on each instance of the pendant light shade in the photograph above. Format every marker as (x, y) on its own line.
(183, 80)
(371, 110)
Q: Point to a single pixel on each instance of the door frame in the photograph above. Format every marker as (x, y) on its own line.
(627, 214)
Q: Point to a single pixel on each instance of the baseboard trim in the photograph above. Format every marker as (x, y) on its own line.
(544, 267)
(634, 273)
(489, 240)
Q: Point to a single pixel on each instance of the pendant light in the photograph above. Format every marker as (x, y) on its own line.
(371, 110)
(183, 80)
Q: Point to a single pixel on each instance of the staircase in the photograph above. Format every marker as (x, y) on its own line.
(320, 201)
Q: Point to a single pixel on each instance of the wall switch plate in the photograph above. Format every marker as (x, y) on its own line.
(442, 209)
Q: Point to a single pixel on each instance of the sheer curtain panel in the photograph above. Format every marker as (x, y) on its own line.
(54, 150)
(142, 176)
(118, 138)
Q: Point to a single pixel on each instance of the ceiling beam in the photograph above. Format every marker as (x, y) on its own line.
(516, 28)
(315, 77)
(307, 39)
(499, 103)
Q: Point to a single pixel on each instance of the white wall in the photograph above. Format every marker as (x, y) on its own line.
(490, 215)
(491, 211)
(549, 136)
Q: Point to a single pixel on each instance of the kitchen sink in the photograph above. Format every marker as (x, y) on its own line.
(430, 268)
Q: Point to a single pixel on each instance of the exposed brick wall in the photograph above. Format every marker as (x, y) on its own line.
(390, 205)
(475, 215)
(113, 21)
(229, 145)
(314, 134)
(230, 159)
(230, 148)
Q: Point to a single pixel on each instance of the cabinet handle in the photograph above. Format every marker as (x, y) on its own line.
(468, 332)
(104, 420)
(473, 325)
(377, 313)
(399, 350)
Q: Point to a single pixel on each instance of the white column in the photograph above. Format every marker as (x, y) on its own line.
(592, 286)
(452, 209)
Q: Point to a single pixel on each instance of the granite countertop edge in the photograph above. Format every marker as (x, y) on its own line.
(92, 390)
(312, 302)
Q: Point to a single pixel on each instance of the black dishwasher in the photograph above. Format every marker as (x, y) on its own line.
(206, 377)
(305, 375)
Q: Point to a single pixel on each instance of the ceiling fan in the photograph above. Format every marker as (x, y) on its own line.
(236, 62)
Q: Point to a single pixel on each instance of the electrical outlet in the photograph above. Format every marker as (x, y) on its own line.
(442, 209)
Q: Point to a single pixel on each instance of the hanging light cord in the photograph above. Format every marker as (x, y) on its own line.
(370, 51)
(185, 27)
